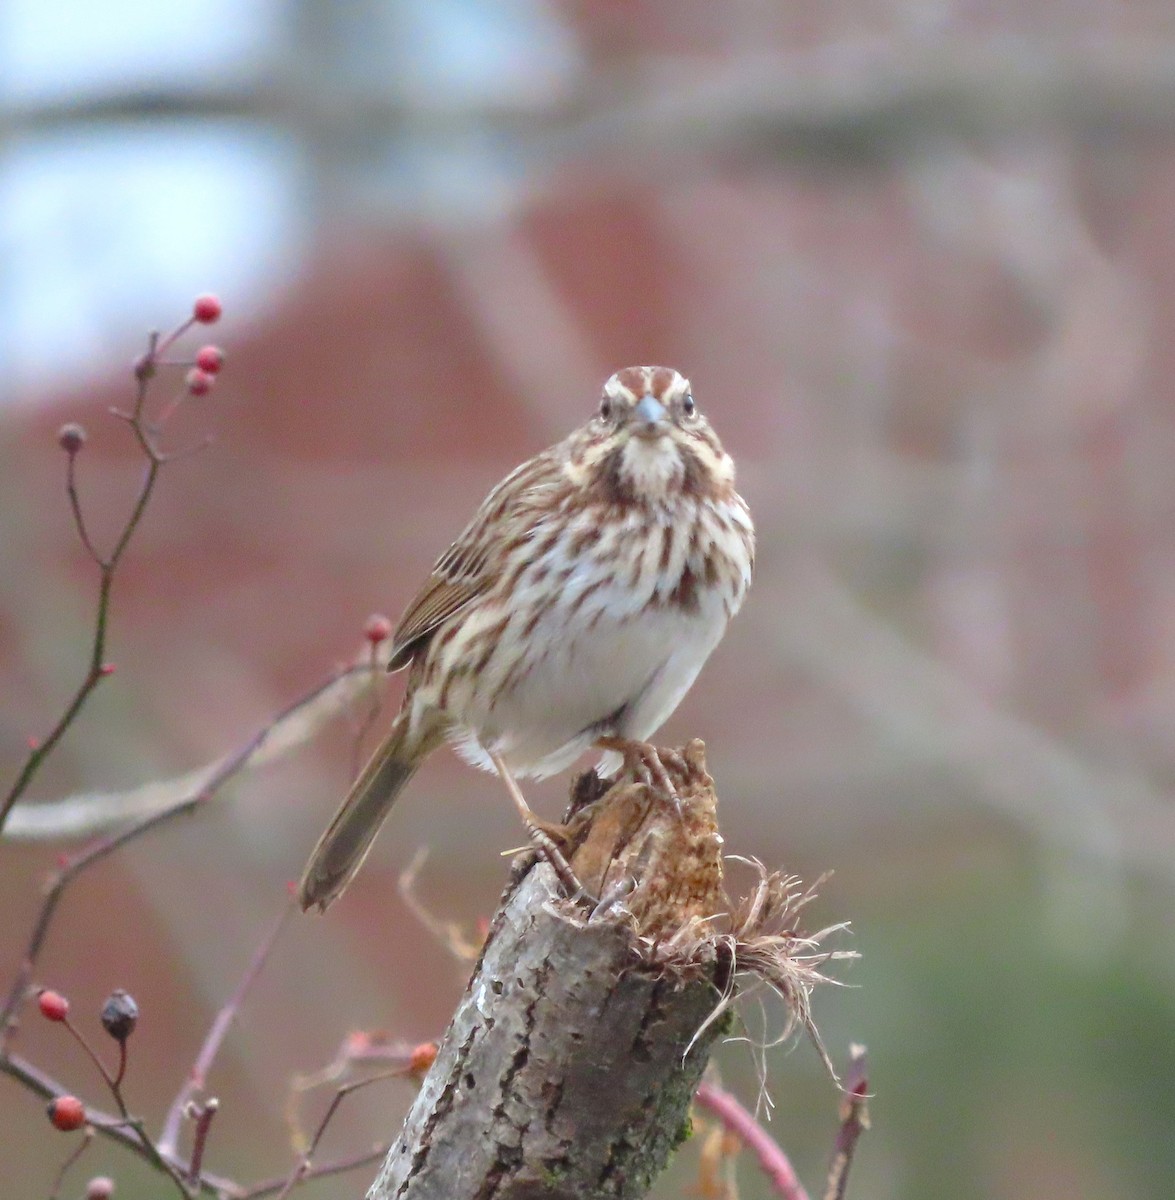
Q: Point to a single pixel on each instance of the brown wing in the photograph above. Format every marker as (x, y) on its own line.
(436, 601)
(470, 565)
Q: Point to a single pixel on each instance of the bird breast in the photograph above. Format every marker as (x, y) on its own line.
(608, 620)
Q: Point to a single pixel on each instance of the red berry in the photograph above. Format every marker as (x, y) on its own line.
(53, 1005)
(67, 1113)
(210, 359)
(378, 629)
(422, 1057)
(101, 1187)
(198, 383)
(107, 669)
(207, 309)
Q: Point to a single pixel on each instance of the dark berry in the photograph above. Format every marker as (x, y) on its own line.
(71, 438)
(120, 1015)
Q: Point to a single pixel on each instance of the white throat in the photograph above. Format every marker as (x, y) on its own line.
(651, 465)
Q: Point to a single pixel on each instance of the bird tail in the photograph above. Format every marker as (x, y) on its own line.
(343, 847)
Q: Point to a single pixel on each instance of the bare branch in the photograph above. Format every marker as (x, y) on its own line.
(129, 1132)
(88, 813)
(303, 1168)
(351, 1162)
(107, 565)
(75, 1154)
(106, 845)
(854, 1120)
(197, 1076)
(792, 105)
(204, 1117)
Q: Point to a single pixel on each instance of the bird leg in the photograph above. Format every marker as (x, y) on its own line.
(543, 834)
(643, 760)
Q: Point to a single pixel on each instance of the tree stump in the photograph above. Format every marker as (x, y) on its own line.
(568, 1069)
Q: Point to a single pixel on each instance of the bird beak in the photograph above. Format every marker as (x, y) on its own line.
(649, 414)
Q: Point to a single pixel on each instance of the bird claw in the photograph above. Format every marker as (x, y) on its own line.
(547, 849)
(552, 831)
(645, 762)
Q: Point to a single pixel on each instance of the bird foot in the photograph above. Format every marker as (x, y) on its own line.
(547, 848)
(646, 763)
(552, 831)
(545, 836)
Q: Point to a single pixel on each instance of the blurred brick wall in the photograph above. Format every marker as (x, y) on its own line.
(947, 382)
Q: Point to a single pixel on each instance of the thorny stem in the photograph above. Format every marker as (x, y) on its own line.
(216, 1035)
(774, 1163)
(44, 748)
(358, 1049)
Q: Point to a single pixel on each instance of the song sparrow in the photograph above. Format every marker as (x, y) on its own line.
(575, 610)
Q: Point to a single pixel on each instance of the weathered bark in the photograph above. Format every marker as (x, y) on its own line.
(569, 1066)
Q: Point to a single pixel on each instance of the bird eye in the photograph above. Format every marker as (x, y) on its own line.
(688, 406)
(605, 409)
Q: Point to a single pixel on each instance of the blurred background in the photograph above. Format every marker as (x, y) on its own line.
(917, 259)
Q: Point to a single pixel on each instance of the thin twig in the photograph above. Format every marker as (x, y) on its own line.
(449, 934)
(854, 1120)
(129, 1132)
(278, 1183)
(107, 565)
(41, 749)
(208, 1110)
(104, 846)
(85, 814)
(217, 1032)
(359, 1049)
(120, 1074)
(112, 1082)
(301, 1169)
(369, 718)
(145, 433)
(75, 506)
(774, 1163)
(152, 1154)
(82, 1147)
